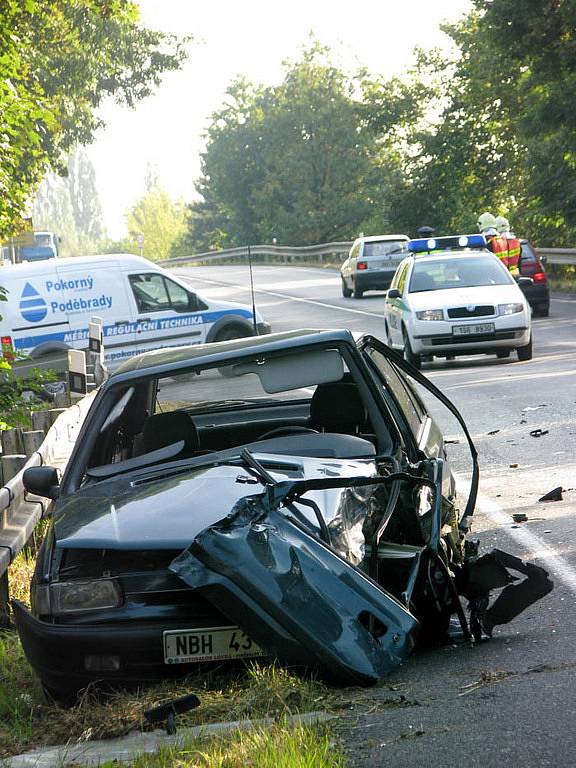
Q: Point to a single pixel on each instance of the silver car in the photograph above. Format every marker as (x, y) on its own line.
(371, 264)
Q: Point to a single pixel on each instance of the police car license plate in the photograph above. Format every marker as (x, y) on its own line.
(472, 330)
(207, 644)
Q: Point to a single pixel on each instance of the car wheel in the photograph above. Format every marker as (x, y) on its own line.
(411, 358)
(525, 353)
(346, 292)
(543, 310)
(358, 292)
(64, 698)
(227, 334)
(502, 353)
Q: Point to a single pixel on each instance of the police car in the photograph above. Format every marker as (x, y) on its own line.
(452, 297)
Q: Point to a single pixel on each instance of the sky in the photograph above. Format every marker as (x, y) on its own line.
(250, 38)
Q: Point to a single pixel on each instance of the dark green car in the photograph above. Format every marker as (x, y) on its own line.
(285, 495)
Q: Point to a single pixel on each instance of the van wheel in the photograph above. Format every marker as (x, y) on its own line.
(227, 334)
(525, 353)
(358, 292)
(346, 292)
(411, 358)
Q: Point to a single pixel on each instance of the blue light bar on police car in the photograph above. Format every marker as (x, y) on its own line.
(428, 244)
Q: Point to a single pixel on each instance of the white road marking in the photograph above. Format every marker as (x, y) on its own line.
(503, 369)
(506, 378)
(538, 548)
(379, 315)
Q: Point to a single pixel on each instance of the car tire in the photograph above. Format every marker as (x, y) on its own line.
(525, 353)
(502, 353)
(358, 292)
(63, 697)
(227, 334)
(543, 310)
(346, 292)
(411, 358)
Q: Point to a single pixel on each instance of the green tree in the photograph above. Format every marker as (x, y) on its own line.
(70, 206)
(160, 219)
(296, 161)
(58, 61)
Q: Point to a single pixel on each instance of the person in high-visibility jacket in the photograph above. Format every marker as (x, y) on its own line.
(495, 243)
(513, 246)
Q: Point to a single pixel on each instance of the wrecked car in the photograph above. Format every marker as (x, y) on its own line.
(287, 496)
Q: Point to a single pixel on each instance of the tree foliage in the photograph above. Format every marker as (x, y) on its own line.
(58, 61)
(501, 135)
(69, 205)
(295, 162)
(159, 218)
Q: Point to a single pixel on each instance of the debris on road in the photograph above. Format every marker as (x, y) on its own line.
(520, 517)
(538, 432)
(514, 466)
(554, 495)
(494, 432)
(534, 407)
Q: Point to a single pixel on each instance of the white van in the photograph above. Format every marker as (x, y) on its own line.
(142, 307)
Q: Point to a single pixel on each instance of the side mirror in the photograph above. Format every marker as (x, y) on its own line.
(42, 481)
(525, 281)
(393, 293)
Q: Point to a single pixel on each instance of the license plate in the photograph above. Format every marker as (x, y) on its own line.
(472, 330)
(208, 644)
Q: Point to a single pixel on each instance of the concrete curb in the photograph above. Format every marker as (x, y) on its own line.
(127, 748)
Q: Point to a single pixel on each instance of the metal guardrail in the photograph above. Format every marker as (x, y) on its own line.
(319, 253)
(558, 255)
(20, 511)
(284, 253)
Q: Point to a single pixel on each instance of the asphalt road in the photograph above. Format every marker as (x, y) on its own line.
(511, 699)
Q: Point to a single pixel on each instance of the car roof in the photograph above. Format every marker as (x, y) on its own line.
(33, 267)
(158, 362)
(380, 238)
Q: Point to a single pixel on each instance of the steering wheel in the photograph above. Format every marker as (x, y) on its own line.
(287, 431)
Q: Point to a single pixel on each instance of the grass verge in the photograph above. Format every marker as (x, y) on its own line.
(227, 693)
(277, 747)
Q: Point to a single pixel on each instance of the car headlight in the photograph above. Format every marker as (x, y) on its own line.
(72, 596)
(509, 309)
(430, 314)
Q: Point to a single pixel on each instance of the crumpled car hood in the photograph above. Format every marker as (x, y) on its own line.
(168, 511)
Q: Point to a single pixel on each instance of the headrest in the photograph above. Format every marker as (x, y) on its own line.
(163, 429)
(337, 407)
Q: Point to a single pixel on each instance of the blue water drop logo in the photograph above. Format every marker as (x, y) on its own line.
(32, 306)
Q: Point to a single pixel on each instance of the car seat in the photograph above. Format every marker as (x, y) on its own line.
(164, 429)
(337, 407)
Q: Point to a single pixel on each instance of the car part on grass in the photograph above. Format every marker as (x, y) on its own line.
(167, 712)
(554, 495)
